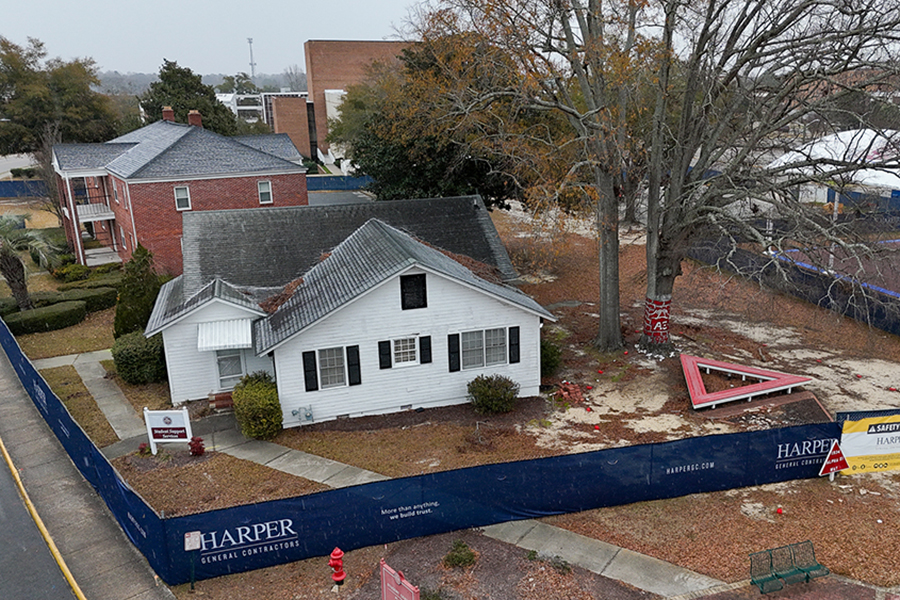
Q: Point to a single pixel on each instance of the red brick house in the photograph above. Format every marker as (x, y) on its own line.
(134, 189)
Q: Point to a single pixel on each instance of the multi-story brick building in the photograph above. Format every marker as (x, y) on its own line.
(331, 67)
(134, 189)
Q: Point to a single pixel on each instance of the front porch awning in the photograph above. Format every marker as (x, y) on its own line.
(225, 335)
(88, 213)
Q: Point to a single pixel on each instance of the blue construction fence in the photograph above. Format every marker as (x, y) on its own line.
(877, 307)
(333, 183)
(23, 189)
(271, 533)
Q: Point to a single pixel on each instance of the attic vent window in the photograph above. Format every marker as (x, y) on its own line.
(412, 292)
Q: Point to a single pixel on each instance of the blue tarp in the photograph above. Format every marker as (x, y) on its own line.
(23, 189)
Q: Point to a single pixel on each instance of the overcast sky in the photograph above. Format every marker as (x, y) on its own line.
(205, 35)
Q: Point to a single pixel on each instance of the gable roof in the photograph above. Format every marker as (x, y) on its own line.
(167, 149)
(276, 144)
(171, 150)
(270, 246)
(172, 304)
(371, 255)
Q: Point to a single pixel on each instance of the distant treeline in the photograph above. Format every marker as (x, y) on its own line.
(114, 82)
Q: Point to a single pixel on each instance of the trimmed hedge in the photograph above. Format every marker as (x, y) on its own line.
(8, 306)
(493, 394)
(97, 299)
(139, 360)
(113, 280)
(256, 406)
(47, 318)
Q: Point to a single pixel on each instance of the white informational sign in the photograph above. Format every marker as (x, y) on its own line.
(167, 426)
(192, 541)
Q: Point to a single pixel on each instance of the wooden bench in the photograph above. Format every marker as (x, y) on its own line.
(771, 569)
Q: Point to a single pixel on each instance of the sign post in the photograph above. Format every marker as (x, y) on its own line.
(167, 426)
(834, 463)
(192, 544)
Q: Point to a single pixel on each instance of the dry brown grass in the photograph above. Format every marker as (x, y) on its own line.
(94, 333)
(40, 218)
(154, 396)
(182, 484)
(67, 385)
(415, 450)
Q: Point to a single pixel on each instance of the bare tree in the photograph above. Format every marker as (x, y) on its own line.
(296, 78)
(741, 82)
(583, 61)
(43, 156)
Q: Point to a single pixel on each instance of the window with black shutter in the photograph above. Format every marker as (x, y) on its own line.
(513, 345)
(310, 373)
(453, 351)
(412, 292)
(384, 355)
(354, 375)
(425, 349)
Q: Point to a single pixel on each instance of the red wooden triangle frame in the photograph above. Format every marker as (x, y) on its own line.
(772, 381)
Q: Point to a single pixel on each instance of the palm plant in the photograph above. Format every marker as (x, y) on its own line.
(14, 240)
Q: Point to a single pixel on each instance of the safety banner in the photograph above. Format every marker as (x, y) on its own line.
(871, 444)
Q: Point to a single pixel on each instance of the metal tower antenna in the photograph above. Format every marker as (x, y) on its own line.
(252, 64)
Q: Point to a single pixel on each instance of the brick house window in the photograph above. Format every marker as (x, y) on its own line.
(182, 198)
(265, 192)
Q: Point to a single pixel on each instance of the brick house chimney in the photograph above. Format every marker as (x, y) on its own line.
(168, 114)
(195, 118)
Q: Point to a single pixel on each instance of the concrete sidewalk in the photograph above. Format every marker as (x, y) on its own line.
(102, 559)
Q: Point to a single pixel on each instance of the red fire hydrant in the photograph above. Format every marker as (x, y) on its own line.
(336, 562)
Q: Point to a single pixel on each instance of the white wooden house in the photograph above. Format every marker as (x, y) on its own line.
(383, 322)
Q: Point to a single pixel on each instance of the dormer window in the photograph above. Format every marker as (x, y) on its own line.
(412, 292)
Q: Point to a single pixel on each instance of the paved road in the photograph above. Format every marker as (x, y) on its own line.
(13, 161)
(27, 569)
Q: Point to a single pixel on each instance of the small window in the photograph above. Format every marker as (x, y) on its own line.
(412, 291)
(115, 192)
(124, 239)
(265, 192)
(182, 198)
(405, 352)
(331, 367)
(231, 368)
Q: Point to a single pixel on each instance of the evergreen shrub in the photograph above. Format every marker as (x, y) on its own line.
(139, 360)
(256, 406)
(493, 394)
(47, 318)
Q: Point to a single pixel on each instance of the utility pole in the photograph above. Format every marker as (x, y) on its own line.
(252, 64)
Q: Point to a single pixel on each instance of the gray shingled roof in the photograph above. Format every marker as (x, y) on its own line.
(76, 157)
(372, 254)
(276, 144)
(166, 149)
(273, 245)
(172, 304)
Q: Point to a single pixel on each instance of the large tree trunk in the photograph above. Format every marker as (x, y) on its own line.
(609, 336)
(14, 272)
(662, 269)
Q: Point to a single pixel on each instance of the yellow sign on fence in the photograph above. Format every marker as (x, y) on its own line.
(871, 444)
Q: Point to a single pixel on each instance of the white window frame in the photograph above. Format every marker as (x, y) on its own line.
(332, 362)
(124, 239)
(188, 197)
(223, 354)
(404, 348)
(260, 191)
(115, 191)
(480, 348)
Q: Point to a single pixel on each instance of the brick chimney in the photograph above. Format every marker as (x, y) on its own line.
(168, 114)
(195, 118)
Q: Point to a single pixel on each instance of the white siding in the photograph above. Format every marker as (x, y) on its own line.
(193, 375)
(452, 308)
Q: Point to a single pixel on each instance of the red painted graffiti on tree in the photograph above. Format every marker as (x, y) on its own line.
(656, 320)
